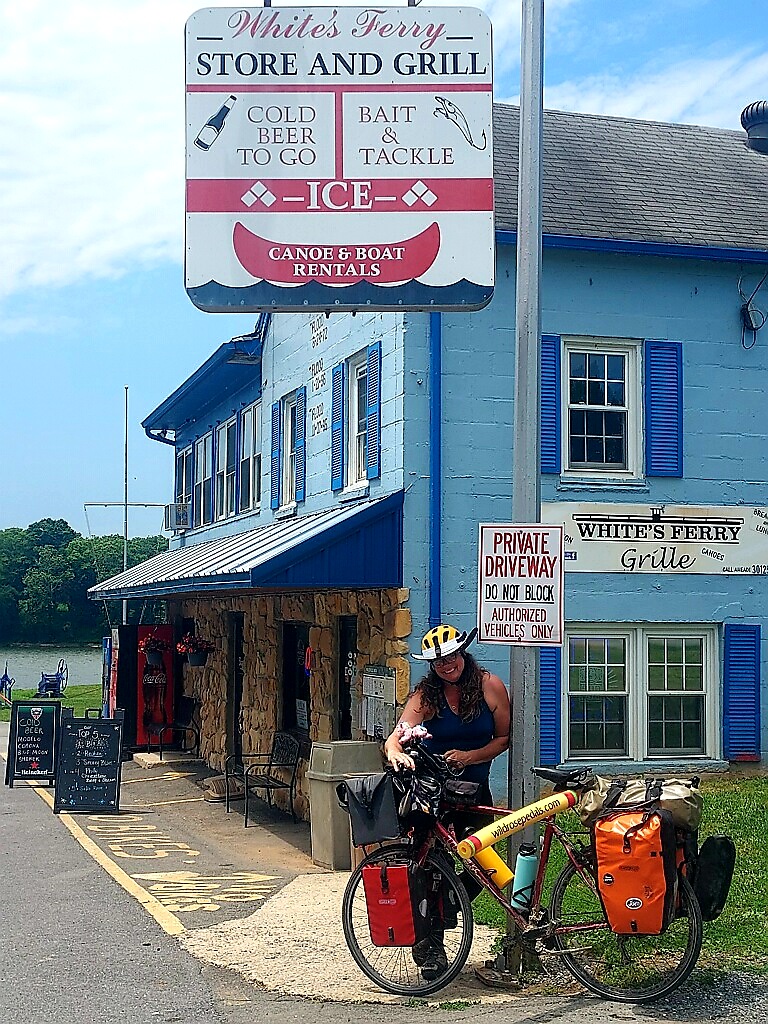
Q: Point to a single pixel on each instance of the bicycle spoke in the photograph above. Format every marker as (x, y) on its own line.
(630, 968)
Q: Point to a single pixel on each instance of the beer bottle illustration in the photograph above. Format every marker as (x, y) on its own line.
(213, 126)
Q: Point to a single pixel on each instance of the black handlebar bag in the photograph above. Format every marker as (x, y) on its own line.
(370, 802)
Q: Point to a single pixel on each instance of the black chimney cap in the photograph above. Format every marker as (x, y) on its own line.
(754, 120)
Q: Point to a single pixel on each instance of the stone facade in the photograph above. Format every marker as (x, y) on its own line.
(383, 625)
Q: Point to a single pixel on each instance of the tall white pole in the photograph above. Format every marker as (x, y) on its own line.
(526, 482)
(125, 506)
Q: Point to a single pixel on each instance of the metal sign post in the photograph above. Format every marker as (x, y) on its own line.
(526, 482)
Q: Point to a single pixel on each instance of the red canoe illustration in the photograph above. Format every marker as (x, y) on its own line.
(295, 263)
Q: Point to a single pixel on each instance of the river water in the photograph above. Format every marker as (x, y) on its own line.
(27, 663)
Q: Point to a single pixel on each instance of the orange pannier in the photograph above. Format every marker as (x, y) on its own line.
(636, 870)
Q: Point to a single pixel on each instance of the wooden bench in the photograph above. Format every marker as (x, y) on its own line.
(271, 771)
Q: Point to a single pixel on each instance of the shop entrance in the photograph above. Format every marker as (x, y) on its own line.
(235, 687)
(296, 705)
(346, 676)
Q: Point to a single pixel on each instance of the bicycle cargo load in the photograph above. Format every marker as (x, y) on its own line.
(397, 905)
(636, 870)
(680, 797)
(370, 802)
(714, 871)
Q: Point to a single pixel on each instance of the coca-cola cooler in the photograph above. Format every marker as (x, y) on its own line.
(144, 691)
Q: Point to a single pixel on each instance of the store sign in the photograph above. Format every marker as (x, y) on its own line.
(339, 158)
(717, 540)
(520, 584)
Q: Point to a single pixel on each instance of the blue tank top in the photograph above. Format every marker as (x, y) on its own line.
(449, 732)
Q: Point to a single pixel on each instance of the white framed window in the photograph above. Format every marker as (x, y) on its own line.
(602, 408)
(203, 505)
(640, 692)
(183, 488)
(250, 458)
(226, 465)
(357, 420)
(290, 433)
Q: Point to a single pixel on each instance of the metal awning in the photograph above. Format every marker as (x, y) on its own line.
(356, 546)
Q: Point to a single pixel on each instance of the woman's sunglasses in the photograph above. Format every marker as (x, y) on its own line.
(448, 660)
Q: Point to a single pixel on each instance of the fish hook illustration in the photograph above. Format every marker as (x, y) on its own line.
(455, 115)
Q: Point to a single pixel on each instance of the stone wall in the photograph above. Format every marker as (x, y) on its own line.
(383, 625)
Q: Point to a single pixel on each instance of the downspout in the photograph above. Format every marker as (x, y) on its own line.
(435, 465)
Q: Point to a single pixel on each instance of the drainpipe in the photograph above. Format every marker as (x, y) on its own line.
(435, 464)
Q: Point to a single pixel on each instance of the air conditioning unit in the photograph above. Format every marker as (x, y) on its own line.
(178, 517)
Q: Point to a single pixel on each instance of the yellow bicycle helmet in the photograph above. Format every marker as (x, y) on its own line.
(442, 641)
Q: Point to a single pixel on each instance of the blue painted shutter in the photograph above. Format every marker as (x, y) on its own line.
(741, 693)
(549, 705)
(337, 427)
(663, 408)
(373, 413)
(301, 444)
(274, 501)
(550, 404)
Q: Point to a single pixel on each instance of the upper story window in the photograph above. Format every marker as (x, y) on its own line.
(183, 488)
(356, 419)
(288, 484)
(250, 458)
(288, 463)
(602, 409)
(203, 497)
(611, 409)
(226, 466)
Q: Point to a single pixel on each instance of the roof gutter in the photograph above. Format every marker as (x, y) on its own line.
(628, 247)
(160, 435)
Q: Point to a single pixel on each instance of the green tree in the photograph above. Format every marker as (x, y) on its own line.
(55, 533)
(44, 608)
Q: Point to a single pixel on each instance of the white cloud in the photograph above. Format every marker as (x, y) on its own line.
(709, 91)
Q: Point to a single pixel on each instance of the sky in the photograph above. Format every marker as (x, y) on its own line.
(92, 297)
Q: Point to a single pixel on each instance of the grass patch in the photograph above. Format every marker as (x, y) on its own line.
(77, 697)
(738, 940)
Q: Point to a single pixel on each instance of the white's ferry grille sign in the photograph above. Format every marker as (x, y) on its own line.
(339, 158)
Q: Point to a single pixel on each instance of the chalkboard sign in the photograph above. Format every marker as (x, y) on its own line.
(88, 770)
(33, 741)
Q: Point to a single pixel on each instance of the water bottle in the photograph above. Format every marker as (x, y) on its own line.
(526, 866)
(492, 863)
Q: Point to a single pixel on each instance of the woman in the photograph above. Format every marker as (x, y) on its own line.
(464, 707)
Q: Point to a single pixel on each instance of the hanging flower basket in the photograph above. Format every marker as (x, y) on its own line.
(153, 648)
(195, 648)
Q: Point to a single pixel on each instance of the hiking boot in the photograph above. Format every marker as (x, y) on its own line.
(435, 963)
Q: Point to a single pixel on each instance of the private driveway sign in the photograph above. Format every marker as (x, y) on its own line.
(339, 158)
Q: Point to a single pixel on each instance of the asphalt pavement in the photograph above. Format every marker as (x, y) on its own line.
(172, 910)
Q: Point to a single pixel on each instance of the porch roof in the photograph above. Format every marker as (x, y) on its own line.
(356, 546)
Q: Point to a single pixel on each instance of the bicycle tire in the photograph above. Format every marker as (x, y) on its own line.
(624, 968)
(393, 968)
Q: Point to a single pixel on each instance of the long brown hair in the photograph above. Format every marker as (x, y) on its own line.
(470, 684)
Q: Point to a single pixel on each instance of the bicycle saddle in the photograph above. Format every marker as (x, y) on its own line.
(564, 778)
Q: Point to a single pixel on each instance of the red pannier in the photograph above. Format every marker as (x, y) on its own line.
(636, 870)
(396, 899)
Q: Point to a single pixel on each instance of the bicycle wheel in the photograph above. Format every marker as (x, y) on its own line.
(626, 968)
(394, 968)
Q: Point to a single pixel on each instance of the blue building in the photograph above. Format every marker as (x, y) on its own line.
(331, 471)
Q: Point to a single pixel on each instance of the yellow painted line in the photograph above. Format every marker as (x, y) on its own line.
(167, 921)
(181, 800)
